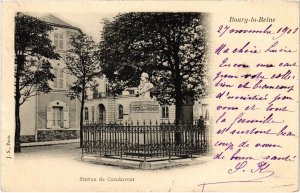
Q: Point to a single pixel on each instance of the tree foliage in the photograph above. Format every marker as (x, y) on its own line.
(170, 47)
(82, 63)
(33, 50)
(35, 78)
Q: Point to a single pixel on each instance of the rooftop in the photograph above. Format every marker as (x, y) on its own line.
(51, 19)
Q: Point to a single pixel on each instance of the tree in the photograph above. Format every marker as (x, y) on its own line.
(33, 49)
(170, 47)
(81, 63)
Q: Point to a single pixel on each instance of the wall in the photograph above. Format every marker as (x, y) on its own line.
(33, 113)
(43, 102)
(27, 117)
(200, 108)
(111, 106)
(108, 103)
(171, 114)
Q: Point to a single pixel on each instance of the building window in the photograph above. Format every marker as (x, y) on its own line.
(56, 40)
(93, 114)
(102, 114)
(58, 116)
(59, 41)
(61, 79)
(59, 82)
(86, 114)
(165, 112)
(120, 110)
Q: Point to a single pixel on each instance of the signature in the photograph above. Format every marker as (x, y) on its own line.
(261, 168)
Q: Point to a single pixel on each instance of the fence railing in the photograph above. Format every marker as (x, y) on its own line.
(145, 142)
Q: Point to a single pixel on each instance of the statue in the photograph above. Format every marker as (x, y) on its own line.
(145, 86)
(144, 109)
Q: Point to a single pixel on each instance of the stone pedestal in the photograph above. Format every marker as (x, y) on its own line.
(147, 111)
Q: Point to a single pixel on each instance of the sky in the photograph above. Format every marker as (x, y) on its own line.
(90, 23)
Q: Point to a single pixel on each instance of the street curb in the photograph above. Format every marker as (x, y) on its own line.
(141, 164)
(45, 143)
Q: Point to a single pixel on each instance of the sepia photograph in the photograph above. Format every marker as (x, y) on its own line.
(138, 94)
(143, 96)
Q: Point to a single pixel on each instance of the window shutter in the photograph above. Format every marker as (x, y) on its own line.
(49, 117)
(56, 44)
(64, 80)
(66, 117)
(58, 78)
(61, 81)
(55, 72)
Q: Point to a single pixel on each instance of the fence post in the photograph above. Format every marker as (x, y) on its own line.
(132, 137)
(170, 143)
(121, 138)
(193, 137)
(137, 137)
(144, 130)
(82, 144)
(99, 130)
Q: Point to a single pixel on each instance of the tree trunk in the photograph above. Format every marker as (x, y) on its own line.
(81, 124)
(177, 84)
(81, 115)
(178, 118)
(19, 66)
(178, 103)
(17, 128)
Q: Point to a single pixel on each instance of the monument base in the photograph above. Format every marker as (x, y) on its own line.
(144, 112)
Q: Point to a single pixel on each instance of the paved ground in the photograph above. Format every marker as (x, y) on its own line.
(59, 167)
(62, 150)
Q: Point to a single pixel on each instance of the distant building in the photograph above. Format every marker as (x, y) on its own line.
(53, 116)
(101, 108)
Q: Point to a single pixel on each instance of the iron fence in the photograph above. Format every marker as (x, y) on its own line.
(145, 142)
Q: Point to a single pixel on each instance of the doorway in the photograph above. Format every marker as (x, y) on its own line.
(102, 116)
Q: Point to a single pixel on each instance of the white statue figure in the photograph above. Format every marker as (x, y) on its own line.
(145, 86)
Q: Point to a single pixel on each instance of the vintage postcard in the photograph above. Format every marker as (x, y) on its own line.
(142, 96)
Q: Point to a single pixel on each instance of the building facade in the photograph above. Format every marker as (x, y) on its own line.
(103, 109)
(53, 116)
(100, 108)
